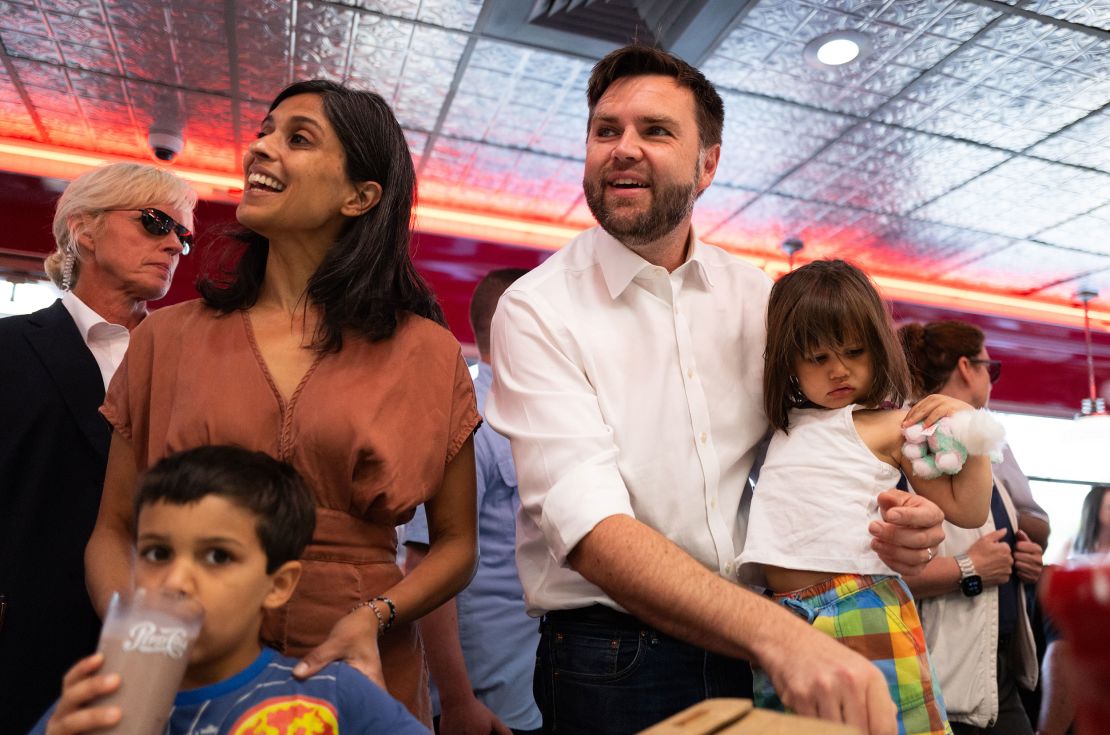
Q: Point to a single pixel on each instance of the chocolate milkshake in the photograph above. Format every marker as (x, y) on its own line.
(146, 641)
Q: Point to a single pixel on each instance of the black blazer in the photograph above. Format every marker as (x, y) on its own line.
(53, 453)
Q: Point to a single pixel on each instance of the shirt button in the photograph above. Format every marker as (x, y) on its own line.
(703, 437)
(689, 372)
(713, 503)
(728, 568)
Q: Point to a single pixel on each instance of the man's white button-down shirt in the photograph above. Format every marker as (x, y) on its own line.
(626, 389)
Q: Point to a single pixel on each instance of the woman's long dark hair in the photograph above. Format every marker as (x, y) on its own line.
(1086, 541)
(367, 280)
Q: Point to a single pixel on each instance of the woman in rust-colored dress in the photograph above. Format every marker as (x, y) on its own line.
(325, 349)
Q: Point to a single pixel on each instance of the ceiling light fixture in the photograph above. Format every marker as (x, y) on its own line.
(1094, 404)
(836, 49)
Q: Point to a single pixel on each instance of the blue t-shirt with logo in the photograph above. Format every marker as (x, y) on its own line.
(265, 697)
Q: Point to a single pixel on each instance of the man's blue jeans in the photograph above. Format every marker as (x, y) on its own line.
(604, 673)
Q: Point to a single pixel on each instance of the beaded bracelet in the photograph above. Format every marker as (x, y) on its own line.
(392, 611)
(383, 623)
(377, 613)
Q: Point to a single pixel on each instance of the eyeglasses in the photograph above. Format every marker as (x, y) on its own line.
(160, 224)
(994, 367)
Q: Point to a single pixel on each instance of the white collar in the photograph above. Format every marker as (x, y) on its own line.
(83, 316)
(620, 265)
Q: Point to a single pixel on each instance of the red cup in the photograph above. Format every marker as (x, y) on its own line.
(1077, 596)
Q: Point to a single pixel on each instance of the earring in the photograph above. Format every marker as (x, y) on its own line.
(796, 394)
(67, 270)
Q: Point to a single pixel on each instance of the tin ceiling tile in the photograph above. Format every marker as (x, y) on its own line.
(22, 18)
(90, 57)
(438, 43)
(958, 21)
(81, 8)
(1029, 267)
(376, 35)
(894, 172)
(269, 12)
(1098, 280)
(498, 56)
(943, 246)
(98, 87)
(1021, 198)
(36, 48)
(79, 31)
(44, 76)
(717, 204)
(1090, 232)
(203, 65)
(417, 141)
(400, 8)
(319, 57)
(137, 16)
(324, 21)
(1086, 143)
(44, 100)
(457, 14)
(763, 139)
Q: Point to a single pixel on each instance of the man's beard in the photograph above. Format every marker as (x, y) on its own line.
(670, 205)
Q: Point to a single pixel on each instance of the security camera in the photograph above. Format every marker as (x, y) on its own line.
(165, 142)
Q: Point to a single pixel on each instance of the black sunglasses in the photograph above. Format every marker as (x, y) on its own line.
(160, 224)
(994, 367)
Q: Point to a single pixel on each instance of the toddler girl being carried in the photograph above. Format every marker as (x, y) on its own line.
(832, 363)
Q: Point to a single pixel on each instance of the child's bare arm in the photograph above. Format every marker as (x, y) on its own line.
(81, 686)
(965, 497)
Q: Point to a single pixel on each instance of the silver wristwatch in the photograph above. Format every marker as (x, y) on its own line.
(971, 583)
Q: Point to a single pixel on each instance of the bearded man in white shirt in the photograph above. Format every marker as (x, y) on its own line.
(628, 376)
(119, 232)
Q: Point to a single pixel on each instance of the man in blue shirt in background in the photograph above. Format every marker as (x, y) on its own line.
(481, 646)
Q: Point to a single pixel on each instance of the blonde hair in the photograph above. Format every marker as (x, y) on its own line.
(114, 186)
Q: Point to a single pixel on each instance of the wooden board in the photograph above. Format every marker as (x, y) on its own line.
(739, 717)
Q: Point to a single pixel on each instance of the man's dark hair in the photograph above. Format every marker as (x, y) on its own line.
(484, 302)
(641, 60)
(367, 281)
(282, 504)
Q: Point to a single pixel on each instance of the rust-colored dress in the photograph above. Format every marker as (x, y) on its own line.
(370, 428)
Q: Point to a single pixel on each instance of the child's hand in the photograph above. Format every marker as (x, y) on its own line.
(932, 409)
(80, 686)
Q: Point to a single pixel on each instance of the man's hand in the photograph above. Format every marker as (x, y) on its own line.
(817, 676)
(907, 537)
(1028, 559)
(80, 686)
(992, 558)
(469, 717)
(354, 639)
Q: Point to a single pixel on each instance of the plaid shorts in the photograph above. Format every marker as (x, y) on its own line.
(875, 617)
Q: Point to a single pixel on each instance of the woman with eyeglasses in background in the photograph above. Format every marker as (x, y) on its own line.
(119, 231)
(971, 596)
(323, 347)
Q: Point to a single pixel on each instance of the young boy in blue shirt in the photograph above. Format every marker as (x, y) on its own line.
(225, 527)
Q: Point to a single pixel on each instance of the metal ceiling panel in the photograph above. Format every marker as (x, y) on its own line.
(1029, 267)
(1086, 143)
(1021, 198)
(1094, 13)
(1090, 232)
(971, 128)
(886, 169)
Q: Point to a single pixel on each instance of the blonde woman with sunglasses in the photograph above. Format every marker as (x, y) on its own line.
(119, 232)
